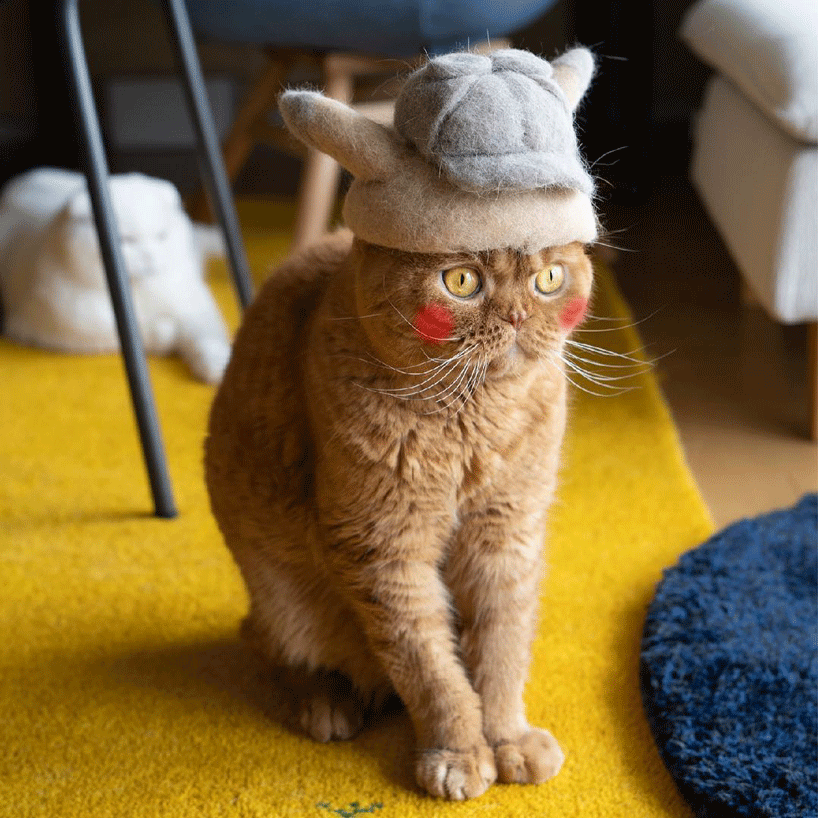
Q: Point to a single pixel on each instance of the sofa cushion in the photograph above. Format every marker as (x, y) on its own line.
(768, 49)
(758, 185)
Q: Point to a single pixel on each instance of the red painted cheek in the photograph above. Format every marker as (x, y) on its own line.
(573, 313)
(433, 323)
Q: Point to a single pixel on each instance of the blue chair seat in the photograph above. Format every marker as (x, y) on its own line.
(386, 27)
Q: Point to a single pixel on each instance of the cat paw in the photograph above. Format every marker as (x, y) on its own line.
(456, 775)
(531, 759)
(325, 718)
(324, 704)
(208, 358)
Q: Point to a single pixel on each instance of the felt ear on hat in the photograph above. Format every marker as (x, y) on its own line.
(573, 72)
(368, 150)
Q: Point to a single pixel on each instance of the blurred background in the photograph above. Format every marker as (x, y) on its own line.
(648, 87)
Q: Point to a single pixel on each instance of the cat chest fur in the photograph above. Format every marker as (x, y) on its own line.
(504, 440)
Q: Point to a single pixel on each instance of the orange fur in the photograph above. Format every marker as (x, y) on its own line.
(385, 499)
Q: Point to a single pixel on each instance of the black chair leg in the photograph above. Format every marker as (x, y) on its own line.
(210, 155)
(97, 175)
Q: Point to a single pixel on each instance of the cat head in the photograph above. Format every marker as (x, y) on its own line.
(448, 318)
(482, 155)
(156, 234)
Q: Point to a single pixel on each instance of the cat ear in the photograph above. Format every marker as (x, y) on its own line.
(369, 151)
(168, 193)
(573, 72)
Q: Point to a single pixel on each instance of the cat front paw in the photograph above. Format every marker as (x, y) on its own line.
(456, 775)
(532, 759)
(329, 718)
(207, 358)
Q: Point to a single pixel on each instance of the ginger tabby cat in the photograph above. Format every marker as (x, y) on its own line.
(381, 456)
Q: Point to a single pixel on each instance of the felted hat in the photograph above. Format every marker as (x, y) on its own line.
(482, 155)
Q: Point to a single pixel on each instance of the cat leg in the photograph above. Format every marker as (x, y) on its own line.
(204, 345)
(405, 610)
(203, 341)
(494, 571)
(206, 356)
(315, 666)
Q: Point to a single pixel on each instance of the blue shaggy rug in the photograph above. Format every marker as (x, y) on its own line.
(730, 668)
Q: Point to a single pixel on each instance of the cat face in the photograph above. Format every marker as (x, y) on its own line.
(156, 236)
(501, 310)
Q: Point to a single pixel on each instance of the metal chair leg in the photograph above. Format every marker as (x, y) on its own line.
(210, 155)
(131, 342)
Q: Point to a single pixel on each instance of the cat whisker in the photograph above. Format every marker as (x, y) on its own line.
(554, 363)
(646, 365)
(628, 356)
(373, 361)
(406, 320)
(461, 391)
(448, 396)
(599, 380)
(596, 162)
(437, 374)
(470, 386)
(615, 246)
(433, 358)
(416, 393)
(425, 386)
(391, 303)
(478, 378)
(554, 360)
(420, 391)
(596, 377)
(604, 317)
(447, 390)
(415, 370)
(446, 402)
(355, 317)
(621, 326)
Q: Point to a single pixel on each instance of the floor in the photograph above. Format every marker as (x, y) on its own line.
(736, 381)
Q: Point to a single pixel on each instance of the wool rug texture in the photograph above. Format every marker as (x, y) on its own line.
(730, 668)
(125, 690)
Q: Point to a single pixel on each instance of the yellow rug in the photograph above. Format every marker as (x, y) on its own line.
(124, 688)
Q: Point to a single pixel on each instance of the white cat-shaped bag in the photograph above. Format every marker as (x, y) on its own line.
(52, 282)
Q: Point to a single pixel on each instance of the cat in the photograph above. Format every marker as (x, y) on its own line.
(52, 283)
(380, 458)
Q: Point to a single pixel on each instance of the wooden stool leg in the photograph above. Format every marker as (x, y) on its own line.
(319, 181)
(259, 100)
(813, 376)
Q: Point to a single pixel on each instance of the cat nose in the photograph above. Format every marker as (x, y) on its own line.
(516, 317)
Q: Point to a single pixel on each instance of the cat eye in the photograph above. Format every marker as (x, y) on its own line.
(550, 279)
(461, 281)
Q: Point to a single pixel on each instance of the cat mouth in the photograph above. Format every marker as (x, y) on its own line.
(509, 359)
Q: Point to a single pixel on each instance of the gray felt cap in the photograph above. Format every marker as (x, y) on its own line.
(493, 122)
(482, 155)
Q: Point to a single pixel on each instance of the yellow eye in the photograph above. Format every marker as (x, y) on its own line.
(550, 279)
(461, 281)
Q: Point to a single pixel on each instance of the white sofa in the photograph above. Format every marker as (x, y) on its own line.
(755, 160)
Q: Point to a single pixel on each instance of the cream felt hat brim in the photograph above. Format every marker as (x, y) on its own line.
(421, 212)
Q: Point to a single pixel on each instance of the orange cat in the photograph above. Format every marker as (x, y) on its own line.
(384, 491)
(383, 448)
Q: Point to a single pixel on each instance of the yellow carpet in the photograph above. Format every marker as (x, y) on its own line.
(125, 691)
